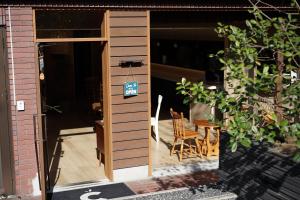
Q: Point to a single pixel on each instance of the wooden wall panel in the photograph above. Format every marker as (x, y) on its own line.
(119, 99)
(130, 162)
(118, 90)
(130, 135)
(123, 154)
(129, 14)
(130, 144)
(129, 51)
(128, 21)
(115, 61)
(130, 115)
(120, 80)
(122, 71)
(128, 41)
(129, 126)
(128, 108)
(128, 32)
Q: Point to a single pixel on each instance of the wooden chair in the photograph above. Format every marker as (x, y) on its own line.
(182, 134)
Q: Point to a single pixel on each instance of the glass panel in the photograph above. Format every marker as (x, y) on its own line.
(68, 23)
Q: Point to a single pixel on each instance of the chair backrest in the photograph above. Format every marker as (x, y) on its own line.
(178, 123)
(158, 106)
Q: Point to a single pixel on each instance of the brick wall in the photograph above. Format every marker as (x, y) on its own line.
(24, 89)
(2, 16)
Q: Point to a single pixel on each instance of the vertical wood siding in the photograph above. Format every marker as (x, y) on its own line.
(128, 41)
(25, 89)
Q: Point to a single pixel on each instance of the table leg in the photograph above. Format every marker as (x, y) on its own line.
(217, 145)
(208, 154)
(198, 147)
(181, 150)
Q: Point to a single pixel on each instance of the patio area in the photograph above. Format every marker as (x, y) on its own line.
(164, 164)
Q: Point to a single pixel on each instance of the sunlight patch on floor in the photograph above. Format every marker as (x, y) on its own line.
(166, 164)
(76, 131)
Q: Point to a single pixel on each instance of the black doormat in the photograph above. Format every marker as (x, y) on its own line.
(93, 193)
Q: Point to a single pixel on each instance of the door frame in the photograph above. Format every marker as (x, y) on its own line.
(5, 123)
(108, 167)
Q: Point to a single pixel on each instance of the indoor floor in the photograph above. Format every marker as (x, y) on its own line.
(72, 150)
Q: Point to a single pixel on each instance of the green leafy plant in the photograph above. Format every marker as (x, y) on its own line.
(261, 101)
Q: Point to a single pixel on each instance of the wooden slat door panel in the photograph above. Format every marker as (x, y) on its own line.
(5, 153)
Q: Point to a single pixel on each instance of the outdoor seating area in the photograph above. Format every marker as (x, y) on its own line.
(179, 146)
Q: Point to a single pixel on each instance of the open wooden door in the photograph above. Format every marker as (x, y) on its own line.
(6, 181)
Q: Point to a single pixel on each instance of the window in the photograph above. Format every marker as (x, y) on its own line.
(69, 23)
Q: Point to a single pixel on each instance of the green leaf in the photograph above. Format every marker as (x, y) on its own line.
(231, 37)
(179, 87)
(266, 70)
(288, 54)
(234, 147)
(296, 157)
(270, 140)
(254, 129)
(246, 142)
(183, 81)
(186, 101)
(248, 23)
(283, 123)
(194, 93)
(273, 116)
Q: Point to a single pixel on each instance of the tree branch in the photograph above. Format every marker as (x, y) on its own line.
(255, 6)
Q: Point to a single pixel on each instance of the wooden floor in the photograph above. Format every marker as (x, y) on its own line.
(161, 151)
(78, 162)
(72, 152)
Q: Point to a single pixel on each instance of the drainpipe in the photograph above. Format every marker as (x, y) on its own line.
(12, 56)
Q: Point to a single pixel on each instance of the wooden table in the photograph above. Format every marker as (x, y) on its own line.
(208, 148)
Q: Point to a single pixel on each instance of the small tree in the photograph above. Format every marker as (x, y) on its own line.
(262, 101)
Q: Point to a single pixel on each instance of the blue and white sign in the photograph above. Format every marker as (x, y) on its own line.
(131, 88)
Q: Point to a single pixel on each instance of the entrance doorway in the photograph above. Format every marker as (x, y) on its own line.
(73, 68)
(71, 86)
(6, 184)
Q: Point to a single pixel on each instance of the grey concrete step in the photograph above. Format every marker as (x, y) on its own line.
(202, 193)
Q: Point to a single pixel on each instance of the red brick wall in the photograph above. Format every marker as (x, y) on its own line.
(2, 16)
(25, 89)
